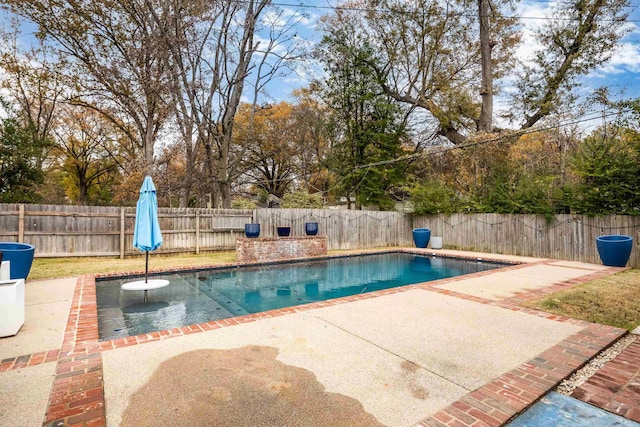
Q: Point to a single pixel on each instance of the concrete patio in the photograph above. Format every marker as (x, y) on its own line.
(457, 349)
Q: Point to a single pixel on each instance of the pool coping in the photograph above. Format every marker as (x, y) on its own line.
(77, 394)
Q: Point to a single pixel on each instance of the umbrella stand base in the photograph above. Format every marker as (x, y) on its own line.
(141, 285)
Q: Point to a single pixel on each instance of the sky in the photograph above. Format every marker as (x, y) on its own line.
(621, 74)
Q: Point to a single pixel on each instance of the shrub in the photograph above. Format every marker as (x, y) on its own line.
(243, 203)
(434, 197)
(302, 199)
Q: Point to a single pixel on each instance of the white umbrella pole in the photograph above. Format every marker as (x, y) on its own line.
(146, 272)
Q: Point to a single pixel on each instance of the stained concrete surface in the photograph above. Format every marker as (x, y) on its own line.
(401, 356)
(24, 394)
(247, 385)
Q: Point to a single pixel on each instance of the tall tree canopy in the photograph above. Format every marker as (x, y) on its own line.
(368, 125)
(181, 89)
(149, 64)
(21, 155)
(116, 60)
(428, 54)
(218, 52)
(581, 37)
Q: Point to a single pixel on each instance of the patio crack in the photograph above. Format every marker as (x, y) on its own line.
(395, 354)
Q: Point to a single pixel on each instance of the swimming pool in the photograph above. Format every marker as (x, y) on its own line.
(200, 296)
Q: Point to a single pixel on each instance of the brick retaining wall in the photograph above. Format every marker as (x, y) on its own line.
(274, 248)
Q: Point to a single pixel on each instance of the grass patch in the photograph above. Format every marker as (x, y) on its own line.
(50, 268)
(613, 300)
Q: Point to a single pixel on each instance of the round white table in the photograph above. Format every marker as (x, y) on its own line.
(141, 285)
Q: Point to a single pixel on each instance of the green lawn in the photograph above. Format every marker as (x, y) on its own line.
(48, 268)
(613, 300)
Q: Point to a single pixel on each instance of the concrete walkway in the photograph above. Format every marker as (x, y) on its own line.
(28, 359)
(453, 351)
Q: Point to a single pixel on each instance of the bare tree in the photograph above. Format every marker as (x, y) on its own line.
(581, 37)
(115, 58)
(218, 52)
(429, 55)
(33, 81)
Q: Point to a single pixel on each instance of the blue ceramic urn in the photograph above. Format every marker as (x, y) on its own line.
(311, 228)
(614, 250)
(421, 237)
(252, 230)
(283, 231)
(20, 257)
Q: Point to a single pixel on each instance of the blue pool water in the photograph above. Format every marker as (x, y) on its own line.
(201, 296)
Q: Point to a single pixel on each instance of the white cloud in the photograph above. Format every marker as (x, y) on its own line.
(534, 15)
(625, 59)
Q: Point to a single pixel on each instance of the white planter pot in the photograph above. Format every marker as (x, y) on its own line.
(11, 307)
(5, 271)
(436, 242)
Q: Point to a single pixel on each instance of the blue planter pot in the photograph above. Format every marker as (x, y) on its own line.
(252, 230)
(284, 231)
(421, 237)
(614, 250)
(311, 228)
(20, 257)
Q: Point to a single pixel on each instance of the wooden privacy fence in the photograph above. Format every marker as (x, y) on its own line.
(108, 231)
(567, 237)
(345, 229)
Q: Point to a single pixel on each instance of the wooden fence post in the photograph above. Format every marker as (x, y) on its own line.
(197, 232)
(121, 233)
(21, 223)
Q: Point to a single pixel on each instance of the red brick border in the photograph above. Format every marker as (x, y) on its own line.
(616, 386)
(28, 360)
(77, 396)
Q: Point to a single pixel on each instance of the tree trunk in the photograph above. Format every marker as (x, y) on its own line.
(486, 87)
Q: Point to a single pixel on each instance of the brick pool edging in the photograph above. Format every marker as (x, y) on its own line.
(77, 395)
(614, 387)
(26, 360)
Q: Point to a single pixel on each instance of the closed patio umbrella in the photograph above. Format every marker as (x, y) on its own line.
(146, 233)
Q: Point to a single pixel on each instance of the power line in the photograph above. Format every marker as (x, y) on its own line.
(566, 2)
(469, 15)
